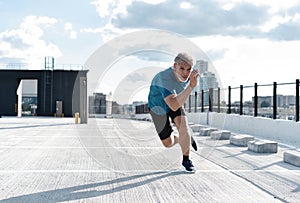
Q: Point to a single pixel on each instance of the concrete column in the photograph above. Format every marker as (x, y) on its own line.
(83, 100)
(109, 105)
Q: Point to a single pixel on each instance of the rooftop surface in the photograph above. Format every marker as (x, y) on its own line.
(118, 160)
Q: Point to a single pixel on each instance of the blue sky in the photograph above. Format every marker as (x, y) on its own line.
(247, 40)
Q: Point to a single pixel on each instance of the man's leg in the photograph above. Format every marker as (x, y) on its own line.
(164, 129)
(184, 141)
(170, 141)
(184, 135)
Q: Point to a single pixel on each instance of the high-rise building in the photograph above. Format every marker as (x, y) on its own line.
(207, 80)
(97, 103)
(202, 66)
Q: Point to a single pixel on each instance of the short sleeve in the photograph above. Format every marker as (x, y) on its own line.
(164, 87)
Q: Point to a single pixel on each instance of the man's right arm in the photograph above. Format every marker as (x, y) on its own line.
(176, 101)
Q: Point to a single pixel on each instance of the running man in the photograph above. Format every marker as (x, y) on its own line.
(169, 90)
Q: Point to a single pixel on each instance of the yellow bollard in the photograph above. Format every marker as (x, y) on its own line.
(76, 118)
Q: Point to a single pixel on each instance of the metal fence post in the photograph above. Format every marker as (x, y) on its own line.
(274, 100)
(229, 100)
(202, 100)
(255, 100)
(211, 99)
(241, 99)
(219, 100)
(195, 102)
(297, 101)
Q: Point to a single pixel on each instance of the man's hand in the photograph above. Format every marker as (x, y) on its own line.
(176, 101)
(194, 78)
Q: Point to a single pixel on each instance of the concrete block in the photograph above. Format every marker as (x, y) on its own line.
(292, 157)
(262, 146)
(241, 139)
(220, 135)
(197, 127)
(207, 131)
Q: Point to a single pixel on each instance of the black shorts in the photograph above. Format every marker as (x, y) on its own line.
(162, 122)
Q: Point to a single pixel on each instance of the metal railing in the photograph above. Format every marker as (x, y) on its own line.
(24, 66)
(14, 66)
(210, 100)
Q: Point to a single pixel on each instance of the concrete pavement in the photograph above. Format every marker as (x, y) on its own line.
(118, 160)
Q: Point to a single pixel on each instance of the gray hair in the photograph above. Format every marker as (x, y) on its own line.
(185, 58)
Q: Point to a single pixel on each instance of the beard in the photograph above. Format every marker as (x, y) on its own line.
(180, 78)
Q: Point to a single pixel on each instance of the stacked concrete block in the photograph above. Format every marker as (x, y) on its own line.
(197, 127)
(241, 139)
(207, 131)
(262, 146)
(220, 135)
(292, 157)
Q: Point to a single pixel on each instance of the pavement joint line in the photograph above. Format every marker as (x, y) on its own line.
(63, 147)
(138, 171)
(66, 147)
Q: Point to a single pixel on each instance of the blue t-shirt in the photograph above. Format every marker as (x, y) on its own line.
(163, 84)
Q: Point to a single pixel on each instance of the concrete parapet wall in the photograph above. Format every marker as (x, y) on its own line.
(281, 131)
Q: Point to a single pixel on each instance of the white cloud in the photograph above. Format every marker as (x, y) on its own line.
(73, 35)
(228, 6)
(275, 22)
(24, 44)
(153, 2)
(103, 7)
(242, 19)
(296, 18)
(274, 6)
(185, 5)
(68, 26)
(238, 34)
(107, 32)
(121, 7)
(230, 17)
(246, 61)
(109, 9)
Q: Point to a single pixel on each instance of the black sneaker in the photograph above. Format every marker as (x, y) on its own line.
(193, 143)
(188, 165)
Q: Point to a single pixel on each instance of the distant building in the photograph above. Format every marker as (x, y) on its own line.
(202, 66)
(100, 103)
(282, 101)
(97, 103)
(140, 107)
(208, 80)
(126, 109)
(115, 108)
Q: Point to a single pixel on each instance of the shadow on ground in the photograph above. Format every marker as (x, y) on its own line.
(93, 190)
